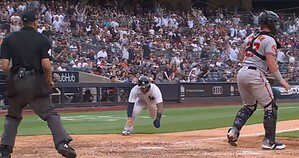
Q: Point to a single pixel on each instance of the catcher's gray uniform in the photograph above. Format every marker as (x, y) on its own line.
(259, 56)
(252, 83)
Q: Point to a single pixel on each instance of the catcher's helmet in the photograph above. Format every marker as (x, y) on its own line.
(270, 19)
(143, 82)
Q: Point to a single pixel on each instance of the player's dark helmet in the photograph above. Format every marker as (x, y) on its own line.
(143, 82)
(270, 19)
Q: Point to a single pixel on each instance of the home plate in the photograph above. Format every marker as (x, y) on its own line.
(151, 147)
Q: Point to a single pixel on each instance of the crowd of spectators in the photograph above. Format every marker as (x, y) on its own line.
(201, 45)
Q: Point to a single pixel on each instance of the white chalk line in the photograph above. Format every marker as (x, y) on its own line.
(254, 134)
(241, 153)
(281, 108)
(151, 147)
(245, 135)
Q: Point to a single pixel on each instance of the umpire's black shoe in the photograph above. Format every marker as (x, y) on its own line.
(66, 150)
(5, 151)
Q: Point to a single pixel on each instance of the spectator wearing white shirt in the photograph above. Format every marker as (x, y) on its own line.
(202, 20)
(15, 26)
(15, 17)
(125, 52)
(172, 22)
(61, 67)
(56, 24)
(190, 23)
(243, 32)
(22, 6)
(280, 56)
(114, 24)
(102, 53)
(158, 21)
(164, 21)
(219, 62)
(75, 63)
(195, 71)
(218, 20)
(152, 31)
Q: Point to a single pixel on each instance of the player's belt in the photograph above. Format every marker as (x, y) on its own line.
(252, 68)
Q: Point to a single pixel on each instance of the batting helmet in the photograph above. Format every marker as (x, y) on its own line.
(270, 19)
(143, 82)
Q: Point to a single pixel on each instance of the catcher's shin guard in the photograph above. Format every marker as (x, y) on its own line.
(242, 116)
(270, 119)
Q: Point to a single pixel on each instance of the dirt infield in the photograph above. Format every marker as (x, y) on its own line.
(203, 143)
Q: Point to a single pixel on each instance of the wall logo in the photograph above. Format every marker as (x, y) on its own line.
(217, 90)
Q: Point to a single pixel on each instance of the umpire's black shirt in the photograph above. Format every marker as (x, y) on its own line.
(26, 48)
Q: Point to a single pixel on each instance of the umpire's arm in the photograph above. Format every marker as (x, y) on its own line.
(5, 56)
(45, 59)
(48, 70)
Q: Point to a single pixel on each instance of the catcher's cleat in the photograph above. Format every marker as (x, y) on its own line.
(126, 132)
(232, 136)
(274, 146)
(66, 150)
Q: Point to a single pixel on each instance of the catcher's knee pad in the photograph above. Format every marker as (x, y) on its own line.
(272, 106)
(242, 116)
(271, 112)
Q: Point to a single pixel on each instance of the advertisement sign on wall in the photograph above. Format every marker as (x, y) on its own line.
(66, 76)
(280, 93)
(209, 90)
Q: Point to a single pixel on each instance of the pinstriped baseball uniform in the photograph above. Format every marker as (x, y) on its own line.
(148, 100)
(252, 83)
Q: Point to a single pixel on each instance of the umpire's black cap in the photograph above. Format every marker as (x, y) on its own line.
(29, 16)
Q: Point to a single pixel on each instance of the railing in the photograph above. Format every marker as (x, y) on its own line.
(104, 94)
(109, 94)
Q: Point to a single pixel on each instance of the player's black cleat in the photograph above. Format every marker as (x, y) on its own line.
(232, 136)
(66, 150)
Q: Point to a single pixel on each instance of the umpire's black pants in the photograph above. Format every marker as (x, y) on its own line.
(26, 93)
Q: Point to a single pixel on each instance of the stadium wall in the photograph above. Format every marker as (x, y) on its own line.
(246, 4)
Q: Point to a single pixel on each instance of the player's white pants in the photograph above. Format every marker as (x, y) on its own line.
(138, 107)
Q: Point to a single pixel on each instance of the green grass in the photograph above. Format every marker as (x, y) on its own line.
(293, 134)
(174, 120)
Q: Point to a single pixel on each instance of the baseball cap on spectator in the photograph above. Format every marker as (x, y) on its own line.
(29, 16)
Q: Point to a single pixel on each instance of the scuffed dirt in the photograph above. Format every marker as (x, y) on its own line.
(203, 143)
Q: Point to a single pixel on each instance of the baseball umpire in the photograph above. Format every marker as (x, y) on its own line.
(144, 95)
(30, 82)
(259, 57)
